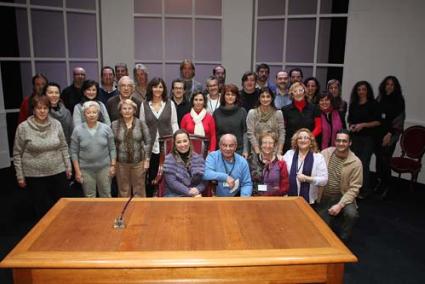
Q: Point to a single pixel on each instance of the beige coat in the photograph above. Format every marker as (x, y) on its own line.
(351, 176)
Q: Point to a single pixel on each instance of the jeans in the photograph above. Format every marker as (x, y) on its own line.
(346, 219)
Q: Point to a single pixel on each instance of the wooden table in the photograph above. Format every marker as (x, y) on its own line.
(238, 240)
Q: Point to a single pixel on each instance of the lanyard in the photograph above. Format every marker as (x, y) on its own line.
(225, 166)
(299, 168)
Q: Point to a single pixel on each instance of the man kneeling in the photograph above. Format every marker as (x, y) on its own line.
(337, 201)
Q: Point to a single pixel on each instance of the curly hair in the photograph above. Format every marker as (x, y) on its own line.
(294, 139)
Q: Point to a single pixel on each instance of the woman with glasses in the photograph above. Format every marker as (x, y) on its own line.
(307, 168)
(300, 114)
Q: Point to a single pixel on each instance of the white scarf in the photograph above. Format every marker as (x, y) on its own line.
(197, 118)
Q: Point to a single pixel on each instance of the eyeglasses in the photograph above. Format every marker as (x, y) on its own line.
(303, 138)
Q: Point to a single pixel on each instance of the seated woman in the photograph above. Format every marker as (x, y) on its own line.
(183, 168)
(307, 168)
(330, 119)
(269, 174)
(198, 121)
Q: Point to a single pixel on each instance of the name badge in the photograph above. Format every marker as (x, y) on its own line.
(262, 187)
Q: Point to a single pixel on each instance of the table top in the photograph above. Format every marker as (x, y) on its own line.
(179, 232)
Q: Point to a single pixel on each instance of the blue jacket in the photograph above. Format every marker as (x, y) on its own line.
(216, 168)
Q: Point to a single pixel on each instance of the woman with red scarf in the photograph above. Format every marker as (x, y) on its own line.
(198, 121)
(330, 120)
(300, 114)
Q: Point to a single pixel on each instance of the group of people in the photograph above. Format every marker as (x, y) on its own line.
(264, 139)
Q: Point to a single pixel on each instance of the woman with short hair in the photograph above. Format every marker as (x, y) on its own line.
(307, 168)
(41, 157)
(133, 144)
(93, 153)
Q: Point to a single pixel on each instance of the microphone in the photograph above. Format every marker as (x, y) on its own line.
(119, 221)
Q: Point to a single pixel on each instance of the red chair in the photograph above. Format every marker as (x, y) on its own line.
(412, 143)
(200, 146)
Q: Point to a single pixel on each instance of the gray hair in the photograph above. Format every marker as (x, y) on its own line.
(140, 66)
(127, 102)
(228, 135)
(126, 78)
(90, 104)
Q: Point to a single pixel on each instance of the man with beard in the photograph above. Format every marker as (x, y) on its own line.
(337, 200)
(282, 97)
(263, 73)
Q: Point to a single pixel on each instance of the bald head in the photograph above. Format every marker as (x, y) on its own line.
(78, 75)
(228, 144)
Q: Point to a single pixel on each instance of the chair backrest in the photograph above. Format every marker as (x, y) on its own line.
(199, 145)
(412, 142)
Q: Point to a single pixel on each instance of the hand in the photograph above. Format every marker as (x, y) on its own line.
(199, 195)
(357, 127)
(245, 155)
(230, 181)
(279, 157)
(112, 171)
(386, 140)
(68, 173)
(335, 209)
(303, 178)
(257, 150)
(146, 164)
(78, 177)
(193, 191)
(22, 183)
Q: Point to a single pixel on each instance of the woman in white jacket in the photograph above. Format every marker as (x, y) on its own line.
(307, 168)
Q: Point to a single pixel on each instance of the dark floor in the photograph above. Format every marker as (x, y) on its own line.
(389, 239)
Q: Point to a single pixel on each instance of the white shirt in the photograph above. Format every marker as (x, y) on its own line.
(212, 104)
(319, 173)
(174, 124)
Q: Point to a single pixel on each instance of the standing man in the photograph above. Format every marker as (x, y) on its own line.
(296, 75)
(39, 81)
(72, 95)
(120, 70)
(213, 96)
(263, 73)
(187, 74)
(282, 97)
(125, 91)
(337, 200)
(220, 73)
(179, 99)
(140, 75)
(107, 90)
(229, 169)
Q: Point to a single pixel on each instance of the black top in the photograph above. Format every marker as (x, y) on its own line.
(71, 96)
(294, 120)
(392, 108)
(367, 112)
(249, 101)
(104, 95)
(231, 120)
(181, 109)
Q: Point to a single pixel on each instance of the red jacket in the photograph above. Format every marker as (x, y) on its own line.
(208, 122)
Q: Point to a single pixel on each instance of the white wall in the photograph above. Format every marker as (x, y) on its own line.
(117, 32)
(237, 38)
(387, 38)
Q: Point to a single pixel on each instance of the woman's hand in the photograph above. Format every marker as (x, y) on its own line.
(194, 191)
(146, 164)
(78, 177)
(304, 178)
(386, 140)
(245, 155)
(68, 173)
(112, 170)
(22, 183)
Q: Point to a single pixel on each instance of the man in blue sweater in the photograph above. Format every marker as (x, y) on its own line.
(229, 169)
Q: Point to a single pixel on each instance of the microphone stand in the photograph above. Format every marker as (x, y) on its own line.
(119, 221)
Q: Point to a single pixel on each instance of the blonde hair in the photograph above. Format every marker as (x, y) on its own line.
(294, 139)
(270, 134)
(295, 85)
(127, 102)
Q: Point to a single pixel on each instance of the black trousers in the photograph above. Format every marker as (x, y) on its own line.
(152, 172)
(46, 191)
